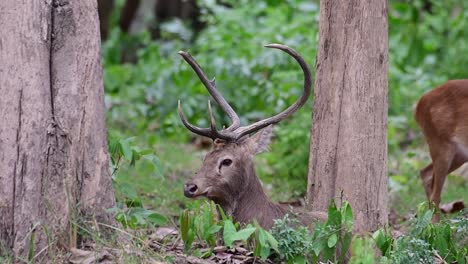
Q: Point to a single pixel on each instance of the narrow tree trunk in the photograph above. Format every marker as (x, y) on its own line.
(53, 146)
(105, 8)
(349, 136)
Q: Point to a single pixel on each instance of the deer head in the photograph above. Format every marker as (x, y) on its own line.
(227, 175)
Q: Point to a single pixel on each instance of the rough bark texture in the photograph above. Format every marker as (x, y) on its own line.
(349, 136)
(53, 147)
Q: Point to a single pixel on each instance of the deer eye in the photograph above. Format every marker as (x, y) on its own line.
(226, 162)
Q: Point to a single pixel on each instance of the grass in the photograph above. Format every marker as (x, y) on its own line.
(164, 194)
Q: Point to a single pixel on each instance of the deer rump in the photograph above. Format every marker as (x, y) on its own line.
(227, 175)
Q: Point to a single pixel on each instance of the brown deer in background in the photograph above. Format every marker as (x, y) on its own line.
(442, 115)
(227, 175)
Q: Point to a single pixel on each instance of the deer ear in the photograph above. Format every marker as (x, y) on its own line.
(259, 142)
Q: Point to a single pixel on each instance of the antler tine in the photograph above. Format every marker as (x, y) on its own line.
(212, 120)
(211, 87)
(226, 135)
(197, 130)
(206, 132)
(242, 131)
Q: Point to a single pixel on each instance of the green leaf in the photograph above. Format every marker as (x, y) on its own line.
(264, 243)
(32, 242)
(298, 260)
(318, 243)
(127, 190)
(154, 160)
(334, 217)
(186, 229)
(383, 241)
(134, 203)
(332, 240)
(262, 248)
(214, 229)
(221, 212)
(122, 218)
(157, 219)
(207, 254)
(328, 254)
(271, 240)
(426, 219)
(345, 245)
(244, 234)
(230, 234)
(126, 149)
(347, 215)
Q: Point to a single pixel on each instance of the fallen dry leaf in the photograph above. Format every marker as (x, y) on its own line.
(453, 207)
(80, 256)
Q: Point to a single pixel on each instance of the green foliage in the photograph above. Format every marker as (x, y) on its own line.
(291, 144)
(334, 234)
(411, 250)
(206, 227)
(330, 241)
(139, 217)
(127, 149)
(151, 92)
(264, 242)
(130, 211)
(423, 48)
(384, 241)
(362, 251)
(230, 234)
(440, 236)
(293, 240)
(423, 242)
(187, 228)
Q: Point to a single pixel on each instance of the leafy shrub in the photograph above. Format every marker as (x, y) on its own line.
(423, 243)
(206, 227)
(329, 241)
(411, 250)
(130, 211)
(293, 239)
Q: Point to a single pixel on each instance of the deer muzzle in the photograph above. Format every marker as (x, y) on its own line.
(190, 190)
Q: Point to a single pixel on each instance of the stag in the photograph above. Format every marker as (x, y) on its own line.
(227, 175)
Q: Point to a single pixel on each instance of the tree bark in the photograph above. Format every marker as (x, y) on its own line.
(348, 158)
(53, 142)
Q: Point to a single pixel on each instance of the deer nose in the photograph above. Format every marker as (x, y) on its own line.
(190, 190)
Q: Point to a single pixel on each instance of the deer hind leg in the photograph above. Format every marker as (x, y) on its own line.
(443, 162)
(426, 177)
(427, 173)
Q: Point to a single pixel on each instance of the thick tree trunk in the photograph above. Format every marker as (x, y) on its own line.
(349, 136)
(53, 146)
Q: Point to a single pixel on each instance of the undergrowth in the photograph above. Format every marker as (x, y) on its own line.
(329, 242)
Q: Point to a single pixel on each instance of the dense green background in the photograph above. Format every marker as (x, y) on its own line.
(427, 47)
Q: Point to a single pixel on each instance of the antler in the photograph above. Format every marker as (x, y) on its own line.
(235, 132)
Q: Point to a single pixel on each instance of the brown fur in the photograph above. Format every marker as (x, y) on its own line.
(236, 188)
(442, 115)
